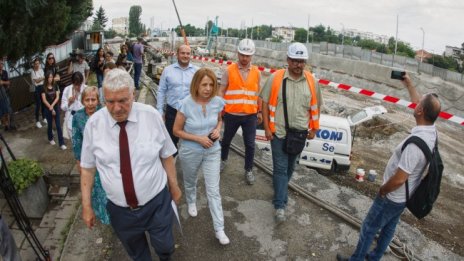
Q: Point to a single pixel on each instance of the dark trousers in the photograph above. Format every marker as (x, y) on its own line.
(231, 125)
(170, 117)
(137, 73)
(59, 131)
(39, 107)
(155, 217)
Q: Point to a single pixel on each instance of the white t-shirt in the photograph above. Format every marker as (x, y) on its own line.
(81, 67)
(411, 161)
(149, 141)
(39, 74)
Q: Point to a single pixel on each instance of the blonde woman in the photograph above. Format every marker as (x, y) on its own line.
(198, 124)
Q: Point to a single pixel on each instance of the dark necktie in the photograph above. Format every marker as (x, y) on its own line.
(126, 169)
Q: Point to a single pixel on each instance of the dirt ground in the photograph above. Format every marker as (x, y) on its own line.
(373, 145)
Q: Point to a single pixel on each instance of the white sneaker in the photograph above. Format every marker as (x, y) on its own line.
(52, 142)
(44, 121)
(192, 210)
(38, 125)
(63, 147)
(223, 239)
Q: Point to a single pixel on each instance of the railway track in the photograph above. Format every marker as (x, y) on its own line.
(399, 249)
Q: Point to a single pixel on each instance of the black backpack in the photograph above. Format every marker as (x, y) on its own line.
(421, 201)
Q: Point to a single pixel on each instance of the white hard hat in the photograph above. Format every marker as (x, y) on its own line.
(246, 47)
(297, 51)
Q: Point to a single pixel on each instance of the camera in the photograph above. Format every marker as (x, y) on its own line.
(398, 75)
(73, 56)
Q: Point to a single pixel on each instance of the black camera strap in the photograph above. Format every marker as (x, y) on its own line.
(284, 98)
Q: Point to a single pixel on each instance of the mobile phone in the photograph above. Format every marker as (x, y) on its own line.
(398, 75)
(210, 137)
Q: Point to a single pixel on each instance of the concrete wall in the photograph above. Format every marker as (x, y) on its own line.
(362, 74)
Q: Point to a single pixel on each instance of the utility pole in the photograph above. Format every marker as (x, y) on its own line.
(343, 39)
(251, 29)
(396, 40)
(307, 35)
(423, 38)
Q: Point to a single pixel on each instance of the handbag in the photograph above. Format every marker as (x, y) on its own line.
(295, 140)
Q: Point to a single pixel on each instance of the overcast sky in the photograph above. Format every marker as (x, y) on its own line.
(440, 19)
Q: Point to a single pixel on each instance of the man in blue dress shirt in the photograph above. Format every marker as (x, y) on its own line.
(174, 86)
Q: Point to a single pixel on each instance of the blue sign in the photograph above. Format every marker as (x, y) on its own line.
(329, 135)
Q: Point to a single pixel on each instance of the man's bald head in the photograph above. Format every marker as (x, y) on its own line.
(431, 107)
(183, 55)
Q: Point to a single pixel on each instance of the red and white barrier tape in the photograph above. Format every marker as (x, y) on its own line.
(443, 114)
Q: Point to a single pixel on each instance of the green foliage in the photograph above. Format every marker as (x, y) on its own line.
(135, 26)
(24, 172)
(110, 34)
(27, 27)
(300, 35)
(445, 62)
(100, 19)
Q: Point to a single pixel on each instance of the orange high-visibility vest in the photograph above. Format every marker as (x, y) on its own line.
(276, 85)
(242, 96)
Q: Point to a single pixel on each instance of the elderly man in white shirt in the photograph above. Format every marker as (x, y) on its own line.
(71, 101)
(129, 145)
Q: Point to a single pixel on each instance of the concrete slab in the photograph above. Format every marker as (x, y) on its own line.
(58, 191)
(48, 220)
(18, 236)
(68, 210)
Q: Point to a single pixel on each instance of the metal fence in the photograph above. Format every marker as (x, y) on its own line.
(359, 54)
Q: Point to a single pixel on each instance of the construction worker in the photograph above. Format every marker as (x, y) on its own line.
(174, 86)
(240, 86)
(303, 99)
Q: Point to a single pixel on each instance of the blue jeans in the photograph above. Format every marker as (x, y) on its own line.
(137, 73)
(231, 125)
(283, 166)
(383, 215)
(99, 80)
(59, 131)
(191, 160)
(39, 107)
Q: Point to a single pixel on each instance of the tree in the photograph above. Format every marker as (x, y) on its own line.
(100, 19)
(135, 26)
(300, 35)
(20, 34)
(110, 34)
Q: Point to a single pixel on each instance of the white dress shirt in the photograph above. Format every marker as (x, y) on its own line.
(149, 141)
(75, 106)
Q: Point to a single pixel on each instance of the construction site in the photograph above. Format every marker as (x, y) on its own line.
(326, 204)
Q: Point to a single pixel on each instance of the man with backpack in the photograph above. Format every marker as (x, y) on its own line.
(404, 171)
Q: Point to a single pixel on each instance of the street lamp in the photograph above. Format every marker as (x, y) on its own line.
(423, 37)
(343, 39)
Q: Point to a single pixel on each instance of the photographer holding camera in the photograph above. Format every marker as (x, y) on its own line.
(79, 64)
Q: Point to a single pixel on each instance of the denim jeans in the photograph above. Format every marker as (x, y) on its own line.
(231, 125)
(39, 107)
(283, 166)
(383, 215)
(59, 131)
(191, 160)
(137, 73)
(99, 80)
